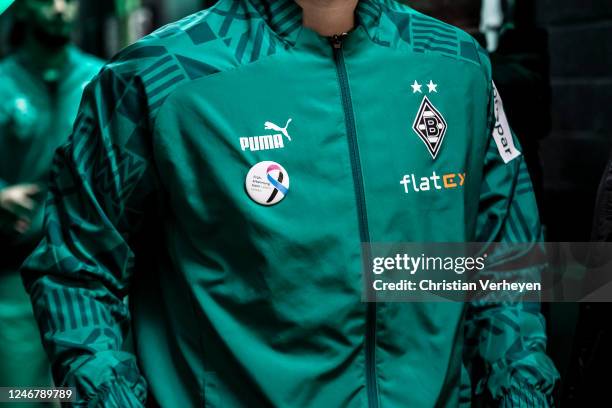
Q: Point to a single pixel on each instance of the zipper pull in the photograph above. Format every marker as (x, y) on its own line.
(336, 40)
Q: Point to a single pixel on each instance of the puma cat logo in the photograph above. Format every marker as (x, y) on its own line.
(272, 126)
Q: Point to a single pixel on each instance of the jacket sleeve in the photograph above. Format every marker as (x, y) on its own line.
(102, 190)
(508, 340)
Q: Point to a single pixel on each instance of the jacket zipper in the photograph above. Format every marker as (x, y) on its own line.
(364, 233)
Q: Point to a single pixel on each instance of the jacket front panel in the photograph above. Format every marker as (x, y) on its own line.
(297, 265)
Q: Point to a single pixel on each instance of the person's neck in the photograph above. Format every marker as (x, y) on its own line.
(42, 57)
(328, 17)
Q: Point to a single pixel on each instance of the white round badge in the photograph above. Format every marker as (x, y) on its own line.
(267, 183)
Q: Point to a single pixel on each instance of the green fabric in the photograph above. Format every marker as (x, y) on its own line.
(22, 359)
(4, 4)
(523, 396)
(236, 304)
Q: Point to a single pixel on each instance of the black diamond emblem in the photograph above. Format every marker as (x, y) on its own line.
(430, 126)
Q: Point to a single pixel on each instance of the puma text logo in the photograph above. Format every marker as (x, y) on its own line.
(267, 142)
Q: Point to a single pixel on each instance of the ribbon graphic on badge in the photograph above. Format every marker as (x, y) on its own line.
(267, 183)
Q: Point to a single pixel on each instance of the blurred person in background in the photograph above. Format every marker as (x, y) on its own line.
(41, 83)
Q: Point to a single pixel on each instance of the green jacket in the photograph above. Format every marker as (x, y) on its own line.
(235, 303)
(36, 117)
(4, 4)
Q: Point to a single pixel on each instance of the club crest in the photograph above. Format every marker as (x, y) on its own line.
(430, 126)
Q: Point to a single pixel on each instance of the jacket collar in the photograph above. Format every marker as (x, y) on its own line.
(284, 17)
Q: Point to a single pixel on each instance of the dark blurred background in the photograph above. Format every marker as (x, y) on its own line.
(553, 65)
(107, 26)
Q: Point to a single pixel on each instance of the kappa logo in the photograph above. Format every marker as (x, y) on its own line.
(267, 142)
